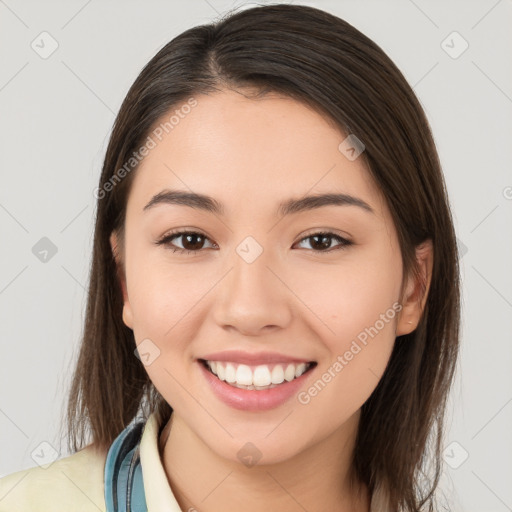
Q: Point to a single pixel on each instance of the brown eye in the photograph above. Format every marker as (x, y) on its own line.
(191, 241)
(321, 242)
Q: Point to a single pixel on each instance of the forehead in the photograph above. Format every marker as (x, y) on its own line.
(234, 148)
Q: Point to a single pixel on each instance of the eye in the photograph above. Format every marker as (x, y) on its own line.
(322, 241)
(192, 241)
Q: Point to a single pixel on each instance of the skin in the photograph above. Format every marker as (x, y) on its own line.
(250, 155)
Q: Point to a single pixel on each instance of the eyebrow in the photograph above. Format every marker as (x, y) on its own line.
(291, 206)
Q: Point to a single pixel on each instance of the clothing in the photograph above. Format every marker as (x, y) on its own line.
(124, 486)
(77, 483)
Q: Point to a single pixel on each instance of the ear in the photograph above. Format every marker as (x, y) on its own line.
(416, 290)
(127, 310)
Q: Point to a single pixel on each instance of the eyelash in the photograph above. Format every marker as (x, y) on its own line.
(166, 241)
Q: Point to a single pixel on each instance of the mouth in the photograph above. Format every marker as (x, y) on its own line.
(256, 377)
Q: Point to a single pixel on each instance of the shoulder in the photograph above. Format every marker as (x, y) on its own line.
(71, 483)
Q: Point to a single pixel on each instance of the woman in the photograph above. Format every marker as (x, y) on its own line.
(273, 309)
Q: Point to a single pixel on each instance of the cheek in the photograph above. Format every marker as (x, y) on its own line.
(359, 338)
(161, 295)
(357, 305)
(164, 303)
(352, 295)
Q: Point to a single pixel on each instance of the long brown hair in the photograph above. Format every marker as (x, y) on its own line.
(321, 60)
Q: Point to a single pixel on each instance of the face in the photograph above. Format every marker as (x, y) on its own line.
(260, 293)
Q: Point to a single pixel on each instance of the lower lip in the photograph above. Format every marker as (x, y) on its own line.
(253, 400)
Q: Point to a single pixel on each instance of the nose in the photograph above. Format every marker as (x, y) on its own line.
(251, 298)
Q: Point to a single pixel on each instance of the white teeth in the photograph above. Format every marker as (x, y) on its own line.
(243, 375)
(221, 372)
(230, 373)
(261, 377)
(277, 374)
(289, 373)
(301, 368)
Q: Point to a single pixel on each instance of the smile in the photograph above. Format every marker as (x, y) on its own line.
(260, 377)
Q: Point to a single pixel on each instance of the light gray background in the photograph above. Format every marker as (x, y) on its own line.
(55, 118)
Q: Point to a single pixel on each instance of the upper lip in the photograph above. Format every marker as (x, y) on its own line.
(241, 357)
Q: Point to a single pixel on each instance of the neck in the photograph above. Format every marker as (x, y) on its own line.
(316, 479)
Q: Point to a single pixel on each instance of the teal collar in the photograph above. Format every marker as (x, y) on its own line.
(124, 488)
